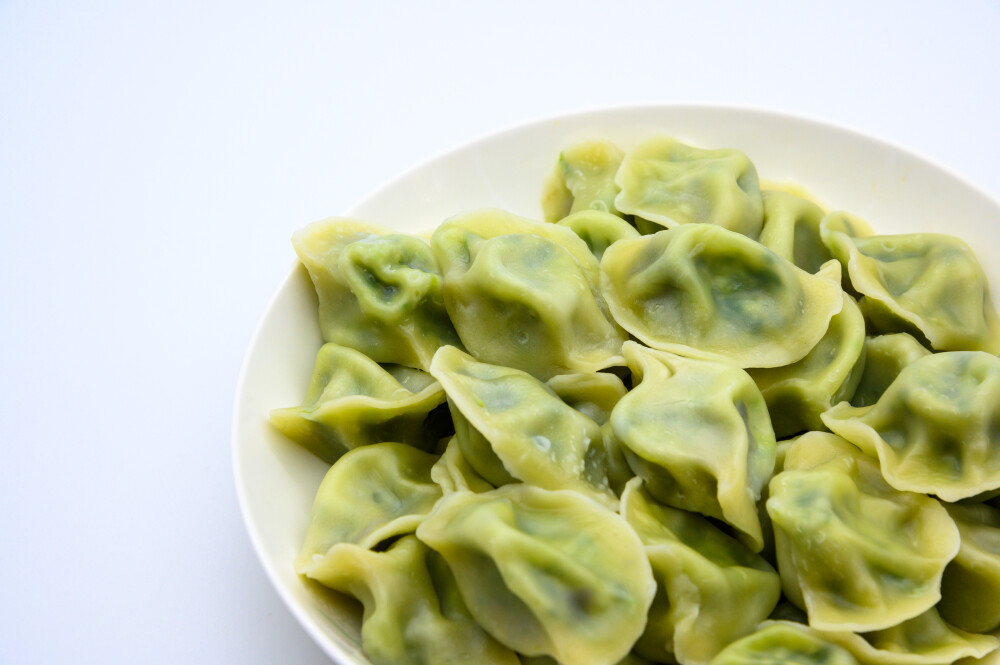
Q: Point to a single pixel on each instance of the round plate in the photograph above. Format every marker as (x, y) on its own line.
(893, 189)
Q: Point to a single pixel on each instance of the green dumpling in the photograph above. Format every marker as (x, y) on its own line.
(853, 552)
(379, 292)
(711, 589)
(782, 643)
(546, 573)
(701, 291)
(352, 402)
(791, 230)
(885, 358)
(669, 183)
(525, 294)
(583, 179)
(970, 589)
(598, 229)
(454, 473)
(936, 429)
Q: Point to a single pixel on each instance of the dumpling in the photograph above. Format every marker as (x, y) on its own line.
(711, 589)
(698, 433)
(525, 294)
(970, 589)
(594, 394)
(936, 429)
(797, 394)
(924, 283)
(352, 402)
(856, 554)
(702, 291)
(782, 643)
(583, 179)
(923, 640)
(379, 292)
(546, 573)
(413, 612)
(454, 473)
(630, 659)
(599, 230)
(370, 495)
(670, 183)
(791, 230)
(505, 415)
(885, 358)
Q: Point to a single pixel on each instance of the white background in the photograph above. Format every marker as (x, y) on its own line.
(156, 156)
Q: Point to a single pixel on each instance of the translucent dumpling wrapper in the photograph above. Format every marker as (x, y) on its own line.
(599, 230)
(885, 358)
(853, 552)
(546, 573)
(454, 473)
(505, 415)
(781, 643)
(583, 179)
(525, 294)
(702, 291)
(698, 433)
(711, 589)
(670, 183)
(924, 283)
(791, 230)
(970, 589)
(797, 394)
(413, 611)
(936, 429)
(352, 401)
(923, 640)
(379, 292)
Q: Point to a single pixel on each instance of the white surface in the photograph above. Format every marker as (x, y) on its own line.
(154, 159)
(277, 480)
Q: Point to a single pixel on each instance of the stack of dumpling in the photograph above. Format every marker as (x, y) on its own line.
(681, 421)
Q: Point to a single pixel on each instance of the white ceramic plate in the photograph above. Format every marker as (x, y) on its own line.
(895, 190)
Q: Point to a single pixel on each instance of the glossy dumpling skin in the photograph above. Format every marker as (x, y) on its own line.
(885, 358)
(797, 394)
(936, 429)
(782, 643)
(922, 640)
(379, 292)
(546, 573)
(525, 294)
(369, 495)
(505, 415)
(925, 282)
(698, 433)
(352, 401)
(583, 179)
(670, 183)
(702, 291)
(711, 589)
(598, 229)
(856, 554)
(970, 589)
(413, 612)
(792, 230)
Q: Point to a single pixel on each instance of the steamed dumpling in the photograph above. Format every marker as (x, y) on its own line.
(702, 291)
(711, 589)
(352, 402)
(970, 589)
(379, 292)
(453, 472)
(698, 433)
(524, 294)
(413, 611)
(936, 430)
(782, 643)
(927, 283)
(583, 179)
(546, 573)
(599, 230)
(669, 183)
(885, 358)
(856, 554)
(791, 230)
(511, 426)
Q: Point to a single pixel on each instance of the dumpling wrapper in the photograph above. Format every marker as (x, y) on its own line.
(885, 358)
(701, 291)
(782, 643)
(599, 230)
(792, 230)
(970, 589)
(546, 573)
(583, 179)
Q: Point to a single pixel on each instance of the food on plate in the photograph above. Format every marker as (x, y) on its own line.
(680, 421)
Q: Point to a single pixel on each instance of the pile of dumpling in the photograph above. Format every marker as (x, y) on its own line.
(683, 421)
